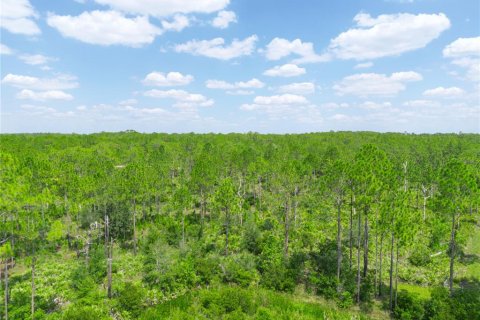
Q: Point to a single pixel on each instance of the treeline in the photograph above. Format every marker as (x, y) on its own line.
(344, 215)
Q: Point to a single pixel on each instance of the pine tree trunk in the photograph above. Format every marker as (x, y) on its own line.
(202, 212)
(227, 222)
(134, 228)
(295, 204)
(365, 249)
(396, 277)
(424, 208)
(33, 288)
(391, 271)
(6, 289)
(352, 210)
(287, 225)
(68, 220)
(376, 254)
(107, 231)
(358, 256)
(380, 284)
(109, 270)
(452, 254)
(339, 244)
(87, 248)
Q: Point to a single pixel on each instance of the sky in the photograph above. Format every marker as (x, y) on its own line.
(268, 66)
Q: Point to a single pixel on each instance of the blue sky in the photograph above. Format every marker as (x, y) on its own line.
(276, 66)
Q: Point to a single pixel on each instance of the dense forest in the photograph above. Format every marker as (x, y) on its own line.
(332, 225)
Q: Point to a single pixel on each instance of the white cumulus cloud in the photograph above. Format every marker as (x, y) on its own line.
(17, 16)
(178, 23)
(280, 99)
(374, 84)
(60, 82)
(285, 107)
(44, 95)
(463, 47)
(162, 8)
(5, 50)
(465, 53)
(223, 19)
(106, 28)
(300, 88)
(279, 48)
(364, 65)
(444, 92)
(184, 99)
(35, 59)
(387, 35)
(217, 49)
(219, 84)
(286, 70)
(170, 79)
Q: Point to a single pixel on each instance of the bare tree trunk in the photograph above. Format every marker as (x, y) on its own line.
(7, 297)
(33, 288)
(452, 255)
(259, 192)
(396, 277)
(380, 284)
(107, 229)
(391, 271)
(287, 225)
(68, 222)
(352, 211)
(295, 205)
(109, 270)
(87, 247)
(424, 208)
(134, 227)
(358, 256)
(227, 223)
(202, 212)
(365, 249)
(376, 253)
(339, 243)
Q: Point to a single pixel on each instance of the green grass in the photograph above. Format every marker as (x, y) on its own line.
(225, 302)
(422, 292)
(473, 248)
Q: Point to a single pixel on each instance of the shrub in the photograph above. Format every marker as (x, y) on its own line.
(130, 298)
(240, 269)
(76, 312)
(409, 306)
(438, 307)
(345, 300)
(420, 256)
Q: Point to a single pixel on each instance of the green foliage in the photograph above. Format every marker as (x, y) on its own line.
(214, 215)
(236, 303)
(420, 256)
(439, 307)
(79, 312)
(130, 299)
(409, 306)
(57, 231)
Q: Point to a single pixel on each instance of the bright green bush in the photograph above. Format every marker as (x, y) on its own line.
(130, 298)
(409, 306)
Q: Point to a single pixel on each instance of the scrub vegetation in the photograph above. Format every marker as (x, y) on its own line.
(240, 226)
